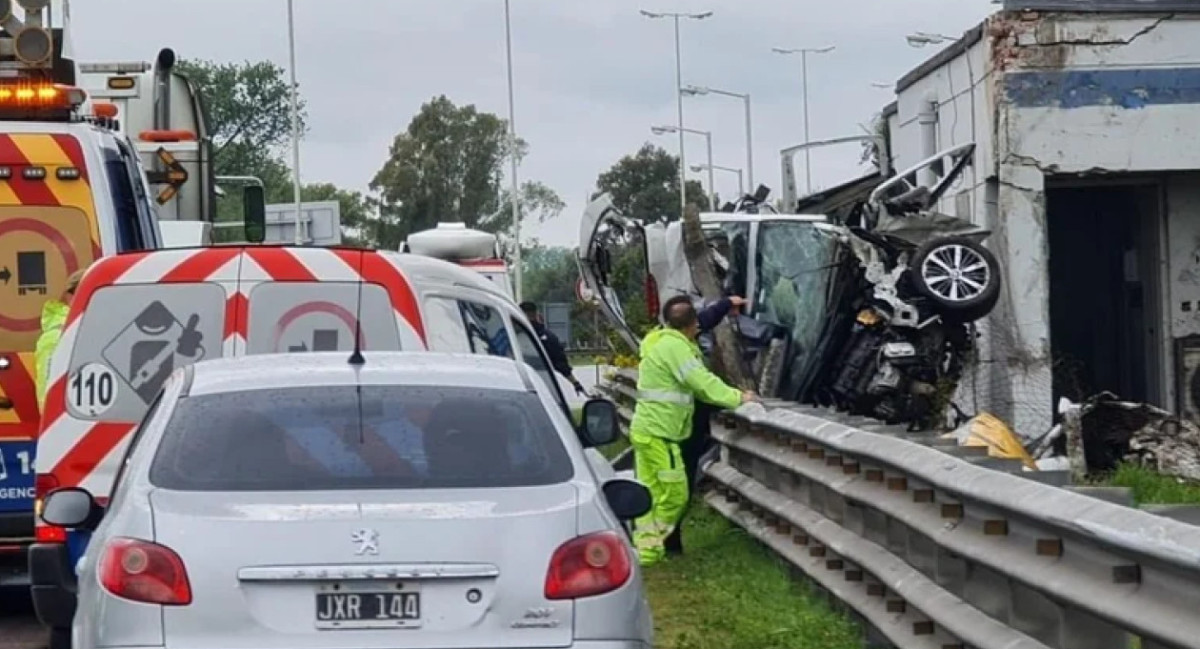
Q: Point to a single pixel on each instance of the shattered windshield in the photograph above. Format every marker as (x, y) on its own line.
(796, 264)
(731, 241)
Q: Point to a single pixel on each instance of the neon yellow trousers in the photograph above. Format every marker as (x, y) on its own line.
(658, 464)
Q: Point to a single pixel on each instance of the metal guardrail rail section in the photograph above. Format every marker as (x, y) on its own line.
(929, 550)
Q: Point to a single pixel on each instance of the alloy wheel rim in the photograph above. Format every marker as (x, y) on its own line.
(956, 273)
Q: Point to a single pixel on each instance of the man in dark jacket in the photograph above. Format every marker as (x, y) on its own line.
(700, 442)
(554, 347)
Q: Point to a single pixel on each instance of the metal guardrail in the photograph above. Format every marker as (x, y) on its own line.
(929, 550)
(622, 388)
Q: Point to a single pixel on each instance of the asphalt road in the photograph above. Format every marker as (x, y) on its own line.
(19, 629)
(589, 376)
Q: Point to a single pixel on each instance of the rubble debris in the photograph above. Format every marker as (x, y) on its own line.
(1104, 431)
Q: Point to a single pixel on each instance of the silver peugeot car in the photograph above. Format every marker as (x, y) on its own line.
(319, 502)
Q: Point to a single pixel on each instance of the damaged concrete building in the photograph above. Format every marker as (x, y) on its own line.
(1086, 114)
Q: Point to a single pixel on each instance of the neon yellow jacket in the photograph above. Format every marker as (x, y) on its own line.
(671, 377)
(54, 315)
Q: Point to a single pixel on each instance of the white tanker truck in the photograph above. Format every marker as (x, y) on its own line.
(474, 249)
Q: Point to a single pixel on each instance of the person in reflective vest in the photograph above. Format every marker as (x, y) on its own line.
(699, 444)
(54, 316)
(671, 377)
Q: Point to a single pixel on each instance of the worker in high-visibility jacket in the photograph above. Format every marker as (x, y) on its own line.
(54, 316)
(671, 376)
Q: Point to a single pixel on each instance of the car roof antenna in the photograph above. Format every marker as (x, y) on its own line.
(356, 357)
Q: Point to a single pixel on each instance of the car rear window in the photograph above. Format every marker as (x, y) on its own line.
(288, 317)
(373, 437)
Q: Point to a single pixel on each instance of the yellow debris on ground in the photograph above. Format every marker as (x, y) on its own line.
(985, 429)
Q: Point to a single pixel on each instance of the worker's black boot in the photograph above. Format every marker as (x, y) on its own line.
(673, 544)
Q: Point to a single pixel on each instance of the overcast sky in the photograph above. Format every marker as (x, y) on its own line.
(591, 76)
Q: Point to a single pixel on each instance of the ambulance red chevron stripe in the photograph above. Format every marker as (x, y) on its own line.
(86, 453)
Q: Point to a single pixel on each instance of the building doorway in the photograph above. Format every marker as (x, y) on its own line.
(1105, 289)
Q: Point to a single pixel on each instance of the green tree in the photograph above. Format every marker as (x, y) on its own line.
(249, 111)
(550, 273)
(250, 124)
(536, 202)
(645, 185)
(445, 166)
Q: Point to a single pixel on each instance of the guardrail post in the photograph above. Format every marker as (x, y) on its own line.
(986, 589)
(952, 569)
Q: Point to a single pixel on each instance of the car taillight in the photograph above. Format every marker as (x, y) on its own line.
(43, 484)
(652, 305)
(588, 565)
(144, 572)
(48, 534)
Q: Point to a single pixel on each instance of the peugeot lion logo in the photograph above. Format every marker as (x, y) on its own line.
(367, 540)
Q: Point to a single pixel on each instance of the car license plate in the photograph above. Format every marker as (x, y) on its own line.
(362, 607)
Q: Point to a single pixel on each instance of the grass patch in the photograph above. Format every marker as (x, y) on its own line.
(728, 591)
(1152, 488)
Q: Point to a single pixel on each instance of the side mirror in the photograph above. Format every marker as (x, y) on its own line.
(254, 208)
(629, 499)
(599, 425)
(72, 507)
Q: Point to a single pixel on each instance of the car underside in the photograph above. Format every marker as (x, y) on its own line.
(871, 311)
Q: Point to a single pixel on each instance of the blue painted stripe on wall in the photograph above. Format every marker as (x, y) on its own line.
(1128, 88)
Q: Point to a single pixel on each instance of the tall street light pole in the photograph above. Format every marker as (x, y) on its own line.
(679, 93)
(733, 170)
(295, 121)
(693, 91)
(514, 190)
(804, 52)
(712, 188)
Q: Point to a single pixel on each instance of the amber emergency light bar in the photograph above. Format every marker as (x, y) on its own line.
(33, 97)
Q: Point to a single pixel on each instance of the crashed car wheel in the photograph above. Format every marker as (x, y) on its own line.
(959, 275)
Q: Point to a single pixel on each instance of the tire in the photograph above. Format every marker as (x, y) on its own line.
(959, 276)
(60, 638)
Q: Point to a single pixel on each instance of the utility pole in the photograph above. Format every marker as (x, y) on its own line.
(703, 90)
(679, 94)
(514, 190)
(295, 123)
(659, 130)
(804, 52)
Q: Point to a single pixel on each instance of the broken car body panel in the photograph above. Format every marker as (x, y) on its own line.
(873, 313)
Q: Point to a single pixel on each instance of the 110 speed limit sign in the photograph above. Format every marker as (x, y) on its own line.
(92, 389)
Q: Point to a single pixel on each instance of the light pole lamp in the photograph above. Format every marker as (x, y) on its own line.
(804, 52)
(693, 91)
(735, 170)
(921, 39)
(678, 92)
(662, 130)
